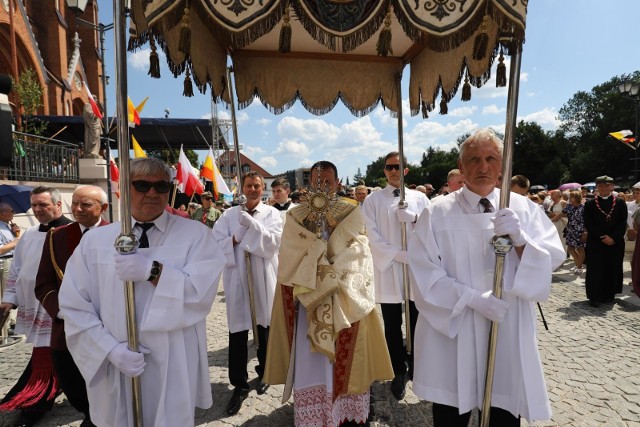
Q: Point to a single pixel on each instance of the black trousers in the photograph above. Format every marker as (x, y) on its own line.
(71, 381)
(392, 316)
(239, 356)
(448, 416)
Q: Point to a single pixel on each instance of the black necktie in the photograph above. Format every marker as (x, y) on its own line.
(85, 231)
(144, 240)
(486, 204)
(396, 192)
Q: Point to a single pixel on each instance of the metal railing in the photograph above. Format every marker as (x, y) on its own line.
(40, 159)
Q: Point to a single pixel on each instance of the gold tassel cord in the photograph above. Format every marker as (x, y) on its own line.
(383, 47)
(154, 61)
(466, 88)
(284, 45)
(188, 85)
(481, 43)
(501, 71)
(425, 113)
(184, 44)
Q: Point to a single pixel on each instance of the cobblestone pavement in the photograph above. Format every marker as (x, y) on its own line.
(591, 360)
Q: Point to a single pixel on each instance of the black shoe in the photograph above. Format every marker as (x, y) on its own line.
(28, 419)
(87, 423)
(235, 403)
(262, 388)
(398, 386)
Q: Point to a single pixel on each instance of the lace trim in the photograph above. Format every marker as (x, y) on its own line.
(314, 407)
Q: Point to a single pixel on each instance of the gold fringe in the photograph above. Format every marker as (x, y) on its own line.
(444, 108)
(284, 44)
(383, 47)
(481, 43)
(184, 44)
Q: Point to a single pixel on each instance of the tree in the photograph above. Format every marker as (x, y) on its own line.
(537, 155)
(358, 178)
(29, 92)
(437, 163)
(171, 156)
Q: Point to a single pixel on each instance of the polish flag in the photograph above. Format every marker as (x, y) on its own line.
(187, 176)
(94, 106)
(211, 173)
(115, 178)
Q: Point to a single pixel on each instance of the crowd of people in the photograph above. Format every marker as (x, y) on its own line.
(321, 278)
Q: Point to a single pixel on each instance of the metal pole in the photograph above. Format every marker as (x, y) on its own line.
(635, 158)
(105, 126)
(125, 209)
(502, 244)
(242, 200)
(402, 204)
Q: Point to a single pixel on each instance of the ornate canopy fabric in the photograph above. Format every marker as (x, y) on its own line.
(322, 51)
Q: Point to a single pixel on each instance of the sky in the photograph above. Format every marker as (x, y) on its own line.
(570, 46)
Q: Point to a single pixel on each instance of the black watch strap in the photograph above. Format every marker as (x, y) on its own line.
(155, 271)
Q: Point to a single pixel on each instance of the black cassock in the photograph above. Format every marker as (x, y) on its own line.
(604, 262)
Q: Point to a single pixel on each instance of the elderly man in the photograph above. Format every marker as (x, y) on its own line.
(175, 274)
(9, 238)
(605, 220)
(207, 213)
(249, 237)
(327, 342)
(33, 321)
(384, 221)
(453, 263)
(87, 204)
(361, 193)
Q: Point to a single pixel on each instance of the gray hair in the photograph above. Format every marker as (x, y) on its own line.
(480, 135)
(5, 206)
(53, 192)
(147, 166)
(104, 199)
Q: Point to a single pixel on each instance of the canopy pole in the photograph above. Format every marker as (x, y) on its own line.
(126, 242)
(502, 244)
(402, 204)
(242, 201)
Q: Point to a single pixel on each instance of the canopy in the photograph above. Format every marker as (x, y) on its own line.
(320, 51)
(151, 134)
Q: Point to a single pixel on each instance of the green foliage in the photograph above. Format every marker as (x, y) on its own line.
(358, 178)
(171, 156)
(437, 163)
(30, 93)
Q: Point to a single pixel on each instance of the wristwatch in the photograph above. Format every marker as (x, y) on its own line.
(155, 271)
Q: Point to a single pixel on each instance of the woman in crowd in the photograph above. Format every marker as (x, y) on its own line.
(574, 230)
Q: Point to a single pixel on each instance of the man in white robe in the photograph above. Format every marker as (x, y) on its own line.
(36, 390)
(453, 264)
(176, 272)
(252, 231)
(384, 221)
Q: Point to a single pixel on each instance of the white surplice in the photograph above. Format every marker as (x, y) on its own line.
(32, 319)
(171, 321)
(450, 254)
(262, 241)
(385, 241)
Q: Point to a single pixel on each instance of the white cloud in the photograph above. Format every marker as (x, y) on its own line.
(139, 60)
(463, 111)
(547, 118)
(263, 122)
(433, 134)
(268, 162)
(493, 109)
(252, 151)
(292, 148)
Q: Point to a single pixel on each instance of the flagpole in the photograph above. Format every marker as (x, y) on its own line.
(126, 242)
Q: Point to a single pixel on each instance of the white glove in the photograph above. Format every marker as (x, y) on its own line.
(402, 256)
(128, 362)
(245, 219)
(488, 305)
(238, 232)
(133, 267)
(506, 223)
(406, 215)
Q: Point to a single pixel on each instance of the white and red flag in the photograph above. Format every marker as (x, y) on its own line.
(187, 176)
(94, 105)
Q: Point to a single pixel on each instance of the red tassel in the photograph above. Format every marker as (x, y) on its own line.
(42, 384)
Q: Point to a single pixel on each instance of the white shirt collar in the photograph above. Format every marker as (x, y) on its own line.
(82, 227)
(160, 222)
(474, 199)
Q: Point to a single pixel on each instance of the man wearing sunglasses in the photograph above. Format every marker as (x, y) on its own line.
(248, 233)
(207, 213)
(175, 272)
(384, 221)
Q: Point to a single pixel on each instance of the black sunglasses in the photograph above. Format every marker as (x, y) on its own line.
(392, 167)
(144, 186)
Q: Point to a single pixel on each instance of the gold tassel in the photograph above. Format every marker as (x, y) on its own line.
(444, 109)
(501, 71)
(466, 89)
(384, 40)
(284, 45)
(184, 43)
(188, 85)
(425, 113)
(154, 61)
(481, 42)
(133, 35)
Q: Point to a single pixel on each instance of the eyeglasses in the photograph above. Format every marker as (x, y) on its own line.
(392, 167)
(144, 186)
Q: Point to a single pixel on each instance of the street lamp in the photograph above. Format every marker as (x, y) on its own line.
(78, 6)
(629, 89)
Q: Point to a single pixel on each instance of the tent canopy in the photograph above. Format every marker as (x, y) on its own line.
(151, 134)
(322, 51)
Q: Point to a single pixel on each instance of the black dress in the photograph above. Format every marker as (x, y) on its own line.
(604, 263)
